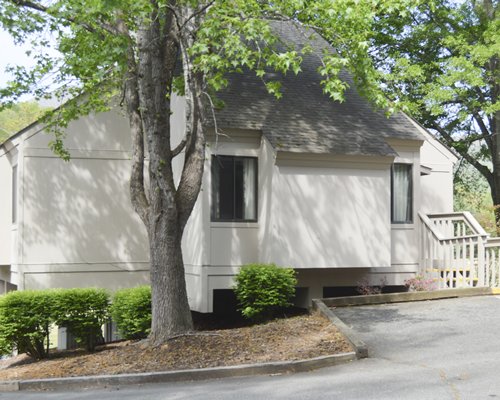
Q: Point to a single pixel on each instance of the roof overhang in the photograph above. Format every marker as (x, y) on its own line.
(328, 160)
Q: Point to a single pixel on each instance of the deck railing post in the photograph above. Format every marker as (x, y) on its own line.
(481, 243)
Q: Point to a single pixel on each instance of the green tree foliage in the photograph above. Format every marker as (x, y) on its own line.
(440, 61)
(133, 49)
(472, 193)
(263, 289)
(131, 310)
(19, 116)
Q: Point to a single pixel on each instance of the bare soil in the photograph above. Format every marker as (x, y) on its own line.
(294, 338)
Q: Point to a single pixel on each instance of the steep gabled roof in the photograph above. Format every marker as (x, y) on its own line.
(305, 119)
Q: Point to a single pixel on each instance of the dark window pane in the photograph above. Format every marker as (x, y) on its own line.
(14, 194)
(401, 193)
(238, 189)
(234, 188)
(223, 187)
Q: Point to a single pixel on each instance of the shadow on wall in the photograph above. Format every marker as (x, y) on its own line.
(193, 238)
(80, 213)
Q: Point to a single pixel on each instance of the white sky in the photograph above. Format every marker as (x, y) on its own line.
(11, 54)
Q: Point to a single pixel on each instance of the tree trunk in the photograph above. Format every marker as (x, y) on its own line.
(165, 208)
(494, 121)
(172, 315)
(495, 187)
(157, 54)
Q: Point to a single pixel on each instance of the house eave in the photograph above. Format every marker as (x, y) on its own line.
(357, 161)
(410, 144)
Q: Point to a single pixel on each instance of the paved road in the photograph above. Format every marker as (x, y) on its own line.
(446, 349)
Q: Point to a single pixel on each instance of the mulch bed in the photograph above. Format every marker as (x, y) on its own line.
(294, 338)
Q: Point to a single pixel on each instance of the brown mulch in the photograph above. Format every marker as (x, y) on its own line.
(295, 338)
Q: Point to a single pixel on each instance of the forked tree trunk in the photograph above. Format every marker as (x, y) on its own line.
(166, 207)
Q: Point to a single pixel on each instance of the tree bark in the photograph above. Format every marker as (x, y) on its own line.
(495, 185)
(494, 121)
(170, 307)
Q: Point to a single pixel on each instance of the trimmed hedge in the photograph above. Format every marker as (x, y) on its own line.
(25, 319)
(131, 310)
(263, 289)
(82, 312)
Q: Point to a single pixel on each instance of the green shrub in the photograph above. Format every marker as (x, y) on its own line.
(82, 312)
(131, 310)
(25, 319)
(262, 289)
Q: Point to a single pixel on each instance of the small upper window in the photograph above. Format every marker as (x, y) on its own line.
(234, 188)
(14, 194)
(401, 194)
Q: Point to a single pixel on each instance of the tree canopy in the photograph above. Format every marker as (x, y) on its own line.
(19, 116)
(440, 62)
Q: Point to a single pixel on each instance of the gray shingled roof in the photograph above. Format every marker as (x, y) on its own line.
(306, 120)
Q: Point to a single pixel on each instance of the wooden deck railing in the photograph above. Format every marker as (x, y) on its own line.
(457, 252)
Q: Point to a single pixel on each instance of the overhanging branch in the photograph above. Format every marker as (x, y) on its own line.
(41, 8)
(483, 169)
(177, 150)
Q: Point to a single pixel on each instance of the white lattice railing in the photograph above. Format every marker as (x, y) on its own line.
(492, 260)
(457, 252)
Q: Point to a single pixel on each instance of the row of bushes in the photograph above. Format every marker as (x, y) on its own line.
(27, 317)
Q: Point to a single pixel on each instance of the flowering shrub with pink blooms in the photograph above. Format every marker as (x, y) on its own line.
(420, 284)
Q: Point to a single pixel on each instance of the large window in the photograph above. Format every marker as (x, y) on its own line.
(14, 194)
(234, 188)
(401, 194)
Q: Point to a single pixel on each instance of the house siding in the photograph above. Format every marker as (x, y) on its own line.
(331, 217)
(434, 155)
(5, 208)
(76, 225)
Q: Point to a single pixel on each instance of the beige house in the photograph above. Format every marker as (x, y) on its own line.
(335, 190)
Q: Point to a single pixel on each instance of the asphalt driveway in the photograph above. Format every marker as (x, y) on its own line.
(444, 349)
(455, 340)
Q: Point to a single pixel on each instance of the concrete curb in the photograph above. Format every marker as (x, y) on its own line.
(360, 348)
(407, 296)
(99, 381)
